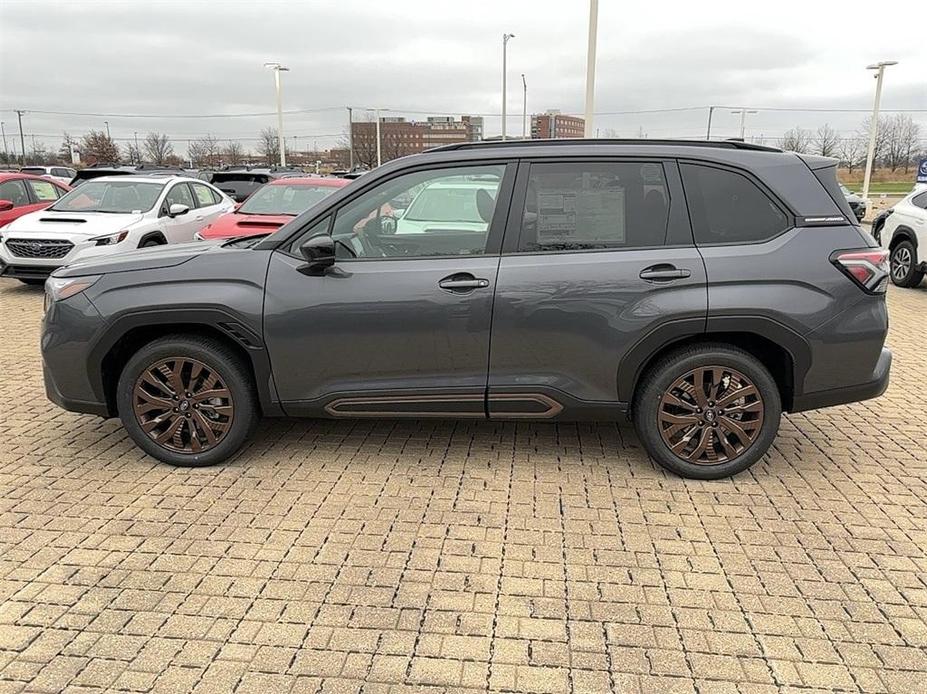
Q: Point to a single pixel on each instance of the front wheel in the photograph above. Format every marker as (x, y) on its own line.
(904, 270)
(187, 400)
(707, 411)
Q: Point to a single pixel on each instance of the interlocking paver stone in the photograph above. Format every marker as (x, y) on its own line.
(384, 556)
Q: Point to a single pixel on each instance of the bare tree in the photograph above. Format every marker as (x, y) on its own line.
(881, 138)
(98, 147)
(826, 142)
(68, 143)
(851, 152)
(158, 148)
(797, 140)
(204, 151)
(901, 135)
(233, 153)
(269, 146)
(133, 153)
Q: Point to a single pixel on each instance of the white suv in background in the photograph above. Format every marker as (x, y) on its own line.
(62, 174)
(905, 236)
(105, 216)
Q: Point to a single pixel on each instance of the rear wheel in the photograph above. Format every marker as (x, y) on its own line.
(187, 400)
(904, 265)
(707, 411)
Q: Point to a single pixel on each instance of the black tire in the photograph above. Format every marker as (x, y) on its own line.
(667, 371)
(218, 358)
(31, 281)
(904, 272)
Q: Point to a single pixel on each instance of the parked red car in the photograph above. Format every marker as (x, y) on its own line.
(272, 206)
(23, 193)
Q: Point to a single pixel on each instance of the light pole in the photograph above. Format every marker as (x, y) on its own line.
(350, 139)
(874, 124)
(505, 44)
(711, 112)
(377, 113)
(278, 68)
(22, 139)
(743, 120)
(108, 136)
(138, 152)
(524, 108)
(590, 65)
(6, 154)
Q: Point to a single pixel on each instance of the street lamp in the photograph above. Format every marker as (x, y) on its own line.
(743, 120)
(874, 124)
(278, 68)
(505, 43)
(108, 136)
(524, 108)
(590, 65)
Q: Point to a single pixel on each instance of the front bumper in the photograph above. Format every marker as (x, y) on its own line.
(872, 387)
(26, 272)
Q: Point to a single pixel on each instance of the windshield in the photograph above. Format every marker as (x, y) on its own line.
(285, 199)
(446, 204)
(116, 197)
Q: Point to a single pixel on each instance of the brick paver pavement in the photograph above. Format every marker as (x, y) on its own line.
(397, 556)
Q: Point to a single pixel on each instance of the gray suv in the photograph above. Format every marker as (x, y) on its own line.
(699, 288)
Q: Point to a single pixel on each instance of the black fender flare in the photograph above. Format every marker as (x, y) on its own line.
(903, 233)
(633, 363)
(224, 322)
(152, 235)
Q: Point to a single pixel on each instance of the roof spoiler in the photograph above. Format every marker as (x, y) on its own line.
(816, 162)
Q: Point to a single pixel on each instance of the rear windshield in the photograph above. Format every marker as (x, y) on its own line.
(34, 170)
(282, 199)
(239, 185)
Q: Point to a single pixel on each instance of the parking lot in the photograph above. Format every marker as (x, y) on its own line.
(392, 556)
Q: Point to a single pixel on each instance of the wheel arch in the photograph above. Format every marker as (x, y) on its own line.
(128, 333)
(152, 236)
(781, 350)
(902, 233)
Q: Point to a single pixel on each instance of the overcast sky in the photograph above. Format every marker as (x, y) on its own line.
(170, 58)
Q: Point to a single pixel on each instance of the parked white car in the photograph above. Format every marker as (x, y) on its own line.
(905, 236)
(105, 216)
(62, 174)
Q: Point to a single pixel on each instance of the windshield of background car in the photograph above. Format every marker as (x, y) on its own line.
(281, 199)
(34, 170)
(111, 196)
(447, 204)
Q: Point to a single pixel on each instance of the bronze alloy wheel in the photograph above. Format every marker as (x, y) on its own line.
(183, 405)
(711, 415)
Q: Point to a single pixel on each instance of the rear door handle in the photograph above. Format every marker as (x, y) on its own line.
(664, 273)
(463, 282)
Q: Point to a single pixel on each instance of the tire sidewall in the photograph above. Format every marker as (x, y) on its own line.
(665, 373)
(913, 276)
(231, 372)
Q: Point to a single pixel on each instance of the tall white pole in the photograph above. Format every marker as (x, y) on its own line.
(280, 137)
(874, 125)
(743, 122)
(378, 138)
(590, 65)
(524, 108)
(505, 44)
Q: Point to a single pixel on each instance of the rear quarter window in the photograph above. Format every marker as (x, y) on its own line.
(727, 207)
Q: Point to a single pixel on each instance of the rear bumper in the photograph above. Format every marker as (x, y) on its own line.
(873, 387)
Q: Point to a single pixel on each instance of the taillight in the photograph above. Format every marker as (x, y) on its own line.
(869, 268)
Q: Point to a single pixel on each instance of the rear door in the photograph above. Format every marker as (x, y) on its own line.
(208, 204)
(598, 259)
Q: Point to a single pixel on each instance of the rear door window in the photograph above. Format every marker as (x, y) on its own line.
(579, 206)
(727, 207)
(204, 196)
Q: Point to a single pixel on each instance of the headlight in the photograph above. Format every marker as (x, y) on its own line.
(110, 239)
(59, 288)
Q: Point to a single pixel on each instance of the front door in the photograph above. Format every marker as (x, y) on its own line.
(400, 324)
(179, 229)
(598, 266)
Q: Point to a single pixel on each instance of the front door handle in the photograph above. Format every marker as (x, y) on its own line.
(664, 273)
(463, 282)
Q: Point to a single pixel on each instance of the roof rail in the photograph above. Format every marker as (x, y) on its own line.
(487, 144)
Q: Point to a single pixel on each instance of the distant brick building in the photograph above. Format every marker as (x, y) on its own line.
(400, 137)
(553, 124)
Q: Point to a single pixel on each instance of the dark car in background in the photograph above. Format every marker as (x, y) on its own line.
(239, 183)
(100, 170)
(701, 288)
(856, 203)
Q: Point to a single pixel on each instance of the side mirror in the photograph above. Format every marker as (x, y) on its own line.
(177, 209)
(6, 205)
(319, 252)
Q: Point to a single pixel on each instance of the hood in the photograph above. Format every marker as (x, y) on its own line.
(236, 224)
(45, 222)
(141, 259)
